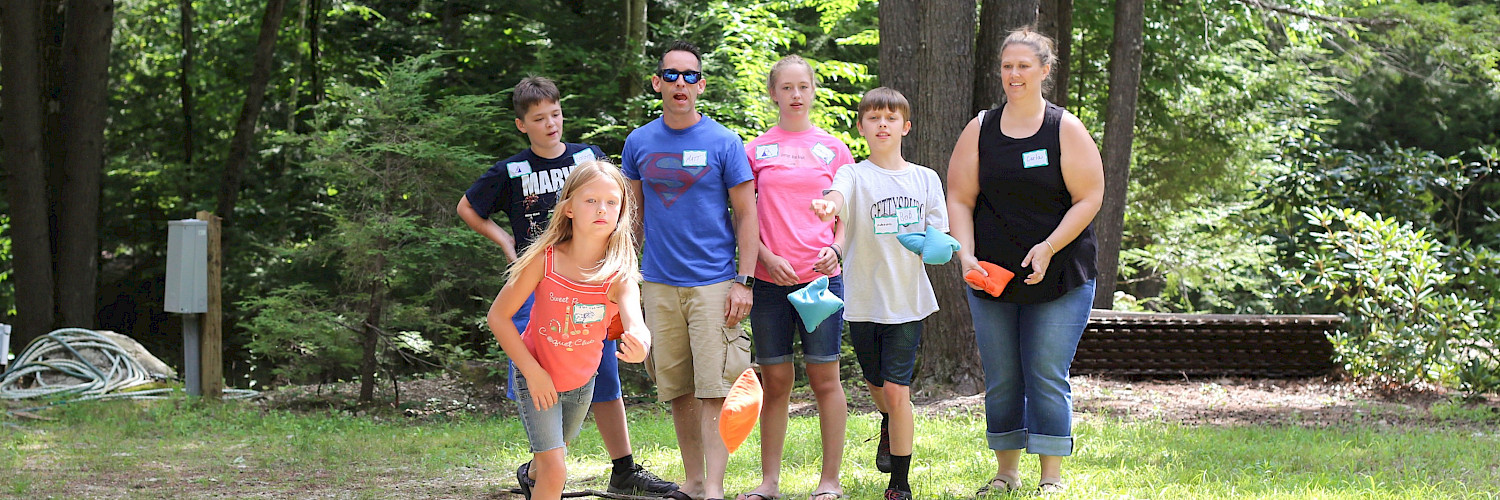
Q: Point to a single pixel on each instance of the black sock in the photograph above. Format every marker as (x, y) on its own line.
(885, 421)
(623, 465)
(900, 465)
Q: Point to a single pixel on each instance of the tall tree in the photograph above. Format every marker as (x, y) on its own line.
(997, 18)
(1119, 131)
(941, 34)
(86, 45)
(1055, 19)
(184, 81)
(25, 172)
(635, 48)
(244, 129)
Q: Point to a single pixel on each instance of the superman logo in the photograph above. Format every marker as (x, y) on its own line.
(666, 176)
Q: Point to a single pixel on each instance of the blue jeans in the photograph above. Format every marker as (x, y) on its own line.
(558, 425)
(606, 380)
(887, 353)
(774, 323)
(1026, 350)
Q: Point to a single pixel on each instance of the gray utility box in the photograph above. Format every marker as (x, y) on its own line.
(187, 266)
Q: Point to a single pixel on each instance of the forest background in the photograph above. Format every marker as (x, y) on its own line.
(1263, 157)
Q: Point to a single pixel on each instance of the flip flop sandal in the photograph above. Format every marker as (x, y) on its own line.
(836, 495)
(761, 496)
(1001, 483)
(1052, 487)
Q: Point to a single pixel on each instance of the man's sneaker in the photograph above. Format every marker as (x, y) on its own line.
(883, 452)
(895, 494)
(639, 481)
(526, 482)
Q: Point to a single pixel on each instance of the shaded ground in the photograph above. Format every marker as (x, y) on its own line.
(1311, 402)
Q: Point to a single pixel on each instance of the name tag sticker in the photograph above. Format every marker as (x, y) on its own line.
(907, 216)
(764, 151)
(823, 153)
(518, 168)
(583, 157)
(1036, 158)
(695, 158)
(587, 313)
(886, 225)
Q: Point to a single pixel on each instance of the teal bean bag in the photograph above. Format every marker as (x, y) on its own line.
(815, 303)
(935, 247)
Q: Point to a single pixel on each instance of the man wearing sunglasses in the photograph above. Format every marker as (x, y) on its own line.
(686, 172)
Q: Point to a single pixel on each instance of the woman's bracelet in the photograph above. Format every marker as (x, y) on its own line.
(1049, 245)
(837, 252)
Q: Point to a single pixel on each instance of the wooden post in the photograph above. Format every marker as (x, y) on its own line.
(212, 357)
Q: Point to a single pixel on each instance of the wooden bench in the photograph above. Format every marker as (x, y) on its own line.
(1206, 345)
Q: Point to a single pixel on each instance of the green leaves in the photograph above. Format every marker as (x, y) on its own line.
(1406, 323)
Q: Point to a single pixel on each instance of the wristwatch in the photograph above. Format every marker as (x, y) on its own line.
(745, 279)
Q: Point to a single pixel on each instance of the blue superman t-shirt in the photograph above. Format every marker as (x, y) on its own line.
(685, 179)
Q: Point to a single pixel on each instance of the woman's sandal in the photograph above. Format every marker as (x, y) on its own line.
(1051, 487)
(1001, 483)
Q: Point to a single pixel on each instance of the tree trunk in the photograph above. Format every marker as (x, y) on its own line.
(371, 338)
(54, 145)
(997, 18)
(85, 103)
(941, 100)
(314, 28)
(1055, 19)
(244, 129)
(900, 39)
(26, 175)
(635, 47)
(184, 82)
(1119, 131)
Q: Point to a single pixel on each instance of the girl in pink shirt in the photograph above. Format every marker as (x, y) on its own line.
(583, 271)
(794, 162)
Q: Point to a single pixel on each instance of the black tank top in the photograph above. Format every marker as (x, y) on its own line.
(1022, 199)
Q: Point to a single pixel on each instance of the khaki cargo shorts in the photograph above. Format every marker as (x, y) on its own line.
(691, 350)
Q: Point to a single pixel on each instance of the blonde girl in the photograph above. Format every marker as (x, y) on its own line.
(583, 271)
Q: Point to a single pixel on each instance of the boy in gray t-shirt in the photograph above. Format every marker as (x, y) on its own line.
(886, 291)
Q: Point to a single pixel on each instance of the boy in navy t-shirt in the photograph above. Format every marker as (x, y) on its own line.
(525, 188)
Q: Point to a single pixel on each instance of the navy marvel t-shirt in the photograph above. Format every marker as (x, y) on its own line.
(525, 187)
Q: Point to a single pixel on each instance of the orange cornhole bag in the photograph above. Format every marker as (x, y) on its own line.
(993, 284)
(741, 410)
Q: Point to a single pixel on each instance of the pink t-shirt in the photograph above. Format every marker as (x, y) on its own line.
(792, 169)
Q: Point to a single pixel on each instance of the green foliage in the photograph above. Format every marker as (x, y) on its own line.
(392, 162)
(1202, 260)
(7, 287)
(1405, 322)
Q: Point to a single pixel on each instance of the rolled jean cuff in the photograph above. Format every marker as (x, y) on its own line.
(1052, 446)
(1001, 441)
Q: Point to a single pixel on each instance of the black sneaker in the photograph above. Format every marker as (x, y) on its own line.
(526, 482)
(639, 481)
(883, 451)
(895, 494)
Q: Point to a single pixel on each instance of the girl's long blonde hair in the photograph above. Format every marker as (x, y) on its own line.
(619, 254)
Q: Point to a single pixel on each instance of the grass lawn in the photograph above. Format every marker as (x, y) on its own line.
(177, 449)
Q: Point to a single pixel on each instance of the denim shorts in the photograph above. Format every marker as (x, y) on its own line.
(606, 380)
(774, 323)
(887, 353)
(558, 425)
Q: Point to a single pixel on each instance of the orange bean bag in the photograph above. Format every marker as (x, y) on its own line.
(993, 284)
(741, 410)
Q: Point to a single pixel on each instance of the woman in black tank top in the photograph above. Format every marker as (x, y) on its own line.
(1024, 184)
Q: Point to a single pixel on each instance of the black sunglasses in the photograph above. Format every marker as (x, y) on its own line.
(689, 76)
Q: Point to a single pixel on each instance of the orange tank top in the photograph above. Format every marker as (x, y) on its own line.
(568, 324)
